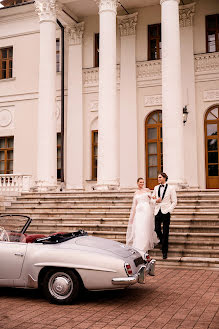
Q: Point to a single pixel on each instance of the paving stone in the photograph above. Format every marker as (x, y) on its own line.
(174, 298)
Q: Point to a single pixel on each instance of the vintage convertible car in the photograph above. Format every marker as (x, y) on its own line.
(61, 264)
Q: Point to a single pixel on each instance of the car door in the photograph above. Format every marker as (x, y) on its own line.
(12, 256)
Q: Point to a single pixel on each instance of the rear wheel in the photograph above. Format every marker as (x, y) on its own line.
(61, 286)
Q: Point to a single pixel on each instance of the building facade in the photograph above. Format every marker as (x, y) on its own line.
(100, 92)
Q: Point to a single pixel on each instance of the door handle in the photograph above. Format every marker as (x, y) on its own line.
(19, 254)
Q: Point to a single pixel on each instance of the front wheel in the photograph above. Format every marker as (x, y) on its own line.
(61, 286)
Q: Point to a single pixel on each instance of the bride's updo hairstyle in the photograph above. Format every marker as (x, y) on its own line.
(139, 179)
(164, 175)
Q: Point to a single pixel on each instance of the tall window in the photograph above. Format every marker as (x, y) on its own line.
(211, 147)
(94, 153)
(154, 41)
(153, 147)
(6, 62)
(59, 156)
(96, 49)
(57, 55)
(6, 155)
(212, 33)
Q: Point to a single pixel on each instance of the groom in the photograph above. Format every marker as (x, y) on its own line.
(165, 201)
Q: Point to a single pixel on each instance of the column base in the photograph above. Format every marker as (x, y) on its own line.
(179, 185)
(106, 187)
(45, 187)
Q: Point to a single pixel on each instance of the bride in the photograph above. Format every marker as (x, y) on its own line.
(140, 233)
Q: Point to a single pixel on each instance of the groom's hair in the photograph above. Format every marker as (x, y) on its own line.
(164, 175)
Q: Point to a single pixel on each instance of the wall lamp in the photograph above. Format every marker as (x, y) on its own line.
(185, 114)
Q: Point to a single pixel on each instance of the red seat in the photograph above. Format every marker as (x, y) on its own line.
(32, 237)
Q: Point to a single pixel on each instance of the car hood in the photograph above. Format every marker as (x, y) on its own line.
(114, 247)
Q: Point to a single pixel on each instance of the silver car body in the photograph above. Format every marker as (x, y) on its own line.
(100, 263)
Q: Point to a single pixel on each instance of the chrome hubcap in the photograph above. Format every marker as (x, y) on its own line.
(60, 285)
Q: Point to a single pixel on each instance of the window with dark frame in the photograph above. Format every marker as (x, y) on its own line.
(212, 33)
(57, 55)
(154, 42)
(94, 136)
(58, 155)
(96, 50)
(6, 63)
(6, 155)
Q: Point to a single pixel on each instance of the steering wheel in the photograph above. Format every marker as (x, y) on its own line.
(4, 235)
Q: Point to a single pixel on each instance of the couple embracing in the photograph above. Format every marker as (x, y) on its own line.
(148, 212)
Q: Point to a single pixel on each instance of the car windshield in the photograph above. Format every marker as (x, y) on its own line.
(13, 228)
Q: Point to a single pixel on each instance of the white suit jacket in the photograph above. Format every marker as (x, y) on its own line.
(169, 201)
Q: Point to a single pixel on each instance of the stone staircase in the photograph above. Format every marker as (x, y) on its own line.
(194, 229)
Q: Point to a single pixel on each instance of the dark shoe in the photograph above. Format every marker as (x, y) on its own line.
(164, 256)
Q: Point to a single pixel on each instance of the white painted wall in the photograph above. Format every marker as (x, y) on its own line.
(20, 94)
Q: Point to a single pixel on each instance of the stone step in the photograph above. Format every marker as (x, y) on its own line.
(179, 252)
(188, 244)
(94, 207)
(190, 222)
(89, 203)
(90, 208)
(125, 214)
(67, 219)
(118, 234)
(189, 262)
(39, 226)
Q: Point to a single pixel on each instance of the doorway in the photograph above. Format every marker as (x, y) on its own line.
(153, 147)
(211, 147)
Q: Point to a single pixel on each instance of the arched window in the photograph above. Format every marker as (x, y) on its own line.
(211, 147)
(153, 147)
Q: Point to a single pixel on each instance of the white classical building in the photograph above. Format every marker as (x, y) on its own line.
(100, 92)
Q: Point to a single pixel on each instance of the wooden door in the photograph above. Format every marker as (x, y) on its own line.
(211, 147)
(153, 147)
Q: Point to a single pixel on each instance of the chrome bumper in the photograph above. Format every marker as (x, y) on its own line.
(139, 277)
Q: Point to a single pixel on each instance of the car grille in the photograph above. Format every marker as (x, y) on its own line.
(138, 261)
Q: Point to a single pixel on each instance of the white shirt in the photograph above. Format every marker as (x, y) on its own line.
(162, 188)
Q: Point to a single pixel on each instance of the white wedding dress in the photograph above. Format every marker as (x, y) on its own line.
(140, 232)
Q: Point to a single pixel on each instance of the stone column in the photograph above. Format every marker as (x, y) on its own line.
(186, 14)
(46, 131)
(108, 118)
(172, 107)
(128, 102)
(74, 131)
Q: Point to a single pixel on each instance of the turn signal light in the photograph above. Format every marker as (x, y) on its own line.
(128, 269)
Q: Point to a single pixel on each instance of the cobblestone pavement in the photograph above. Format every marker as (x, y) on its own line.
(174, 298)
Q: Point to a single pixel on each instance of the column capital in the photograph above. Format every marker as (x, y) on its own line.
(107, 5)
(162, 1)
(127, 24)
(75, 33)
(186, 13)
(46, 9)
